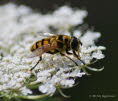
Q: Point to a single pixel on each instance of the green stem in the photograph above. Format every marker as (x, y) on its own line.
(60, 91)
(33, 97)
(33, 83)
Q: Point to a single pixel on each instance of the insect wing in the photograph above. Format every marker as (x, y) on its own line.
(39, 51)
(35, 53)
(46, 34)
(48, 47)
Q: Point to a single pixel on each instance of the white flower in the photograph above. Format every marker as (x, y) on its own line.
(89, 38)
(25, 91)
(98, 55)
(67, 83)
(47, 88)
(77, 33)
(20, 27)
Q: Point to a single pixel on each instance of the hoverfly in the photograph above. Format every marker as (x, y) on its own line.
(57, 44)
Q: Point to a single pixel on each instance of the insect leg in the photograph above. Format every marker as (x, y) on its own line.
(69, 58)
(36, 63)
(78, 57)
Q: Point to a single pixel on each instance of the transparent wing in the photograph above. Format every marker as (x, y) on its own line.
(46, 34)
(45, 48)
(49, 34)
(35, 53)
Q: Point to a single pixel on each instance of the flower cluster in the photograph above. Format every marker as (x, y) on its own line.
(20, 27)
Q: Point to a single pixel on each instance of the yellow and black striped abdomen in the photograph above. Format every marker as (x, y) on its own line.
(62, 42)
(39, 44)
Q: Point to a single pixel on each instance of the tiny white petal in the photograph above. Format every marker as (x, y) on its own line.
(98, 55)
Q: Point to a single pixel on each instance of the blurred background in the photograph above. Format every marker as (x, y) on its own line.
(102, 17)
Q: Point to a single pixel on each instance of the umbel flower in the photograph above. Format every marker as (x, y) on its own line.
(20, 27)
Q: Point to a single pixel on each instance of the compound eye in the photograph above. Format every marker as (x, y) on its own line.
(74, 43)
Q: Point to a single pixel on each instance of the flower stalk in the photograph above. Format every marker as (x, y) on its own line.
(33, 97)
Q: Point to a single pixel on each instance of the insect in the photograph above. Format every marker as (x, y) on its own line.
(57, 44)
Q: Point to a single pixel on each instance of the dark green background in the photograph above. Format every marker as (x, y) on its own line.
(103, 17)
